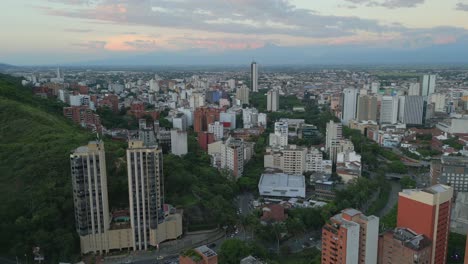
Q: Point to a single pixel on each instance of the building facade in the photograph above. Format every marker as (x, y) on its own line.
(433, 205)
(389, 110)
(367, 108)
(272, 101)
(403, 245)
(254, 76)
(350, 237)
(349, 105)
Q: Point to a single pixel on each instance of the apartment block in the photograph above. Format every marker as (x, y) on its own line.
(403, 245)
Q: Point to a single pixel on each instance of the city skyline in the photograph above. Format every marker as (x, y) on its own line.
(216, 32)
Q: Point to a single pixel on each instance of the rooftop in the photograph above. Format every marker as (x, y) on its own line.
(282, 180)
(208, 252)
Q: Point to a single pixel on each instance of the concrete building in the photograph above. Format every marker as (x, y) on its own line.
(459, 216)
(411, 110)
(280, 136)
(454, 126)
(367, 108)
(179, 144)
(196, 100)
(414, 89)
(145, 185)
(438, 99)
(432, 204)
(403, 245)
(249, 117)
(389, 110)
(262, 120)
(180, 122)
(334, 132)
(428, 85)
(242, 94)
(154, 85)
(350, 237)
(349, 105)
(339, 146)
(452, 171)
(228, 119)
(89, 181)
(314, 160)
(199, 255)
(282, 185)
(291, 159)
(232, 156)
(254, 76)
(204, 116)
(217, 129)
(272, 101)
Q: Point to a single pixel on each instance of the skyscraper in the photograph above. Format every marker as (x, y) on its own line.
(414, 89)
(334, 132)
(349, 105)
(272, 101)
(411, 110)
(350, 237)
(242, 94)
(145, 185)
(254, 76)
(367, 108)
(427, 212)
(389, 110)
(89, 181)
(428, 85)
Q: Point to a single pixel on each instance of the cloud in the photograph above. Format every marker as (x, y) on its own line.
(462, 7)
(229, 16)
(77, 30)
(91, 45)
(389, 3)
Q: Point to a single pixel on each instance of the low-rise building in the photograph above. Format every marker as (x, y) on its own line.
(403, 245)
(199, 255)
(282, 185)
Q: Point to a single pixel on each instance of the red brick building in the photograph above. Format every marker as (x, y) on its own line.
(111, 101)
(204, 116)
(83, 116)
(137, 109)
(403, 245)
(427, 212)
(205, 138)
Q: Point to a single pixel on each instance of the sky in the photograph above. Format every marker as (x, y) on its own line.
(46, 32)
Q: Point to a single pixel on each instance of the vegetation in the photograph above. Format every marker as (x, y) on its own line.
(454, 143)
(110, 119)
(389, 220)
(35, 183)
(382, 200)
(456, 248)
(407, 182)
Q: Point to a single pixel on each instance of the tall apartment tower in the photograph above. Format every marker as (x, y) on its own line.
(411, 110)
(414, 89)
(389, 110)
(254, 76)
(350, 237)
(145, 185)
(349, 105)
(89, 180)
(427, 212)
(367, 108)
(334, 133)
(272, 101)
(232, 156)
(428, 85)
(242, 94)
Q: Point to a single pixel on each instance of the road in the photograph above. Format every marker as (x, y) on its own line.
(392, 198)
(244, 203)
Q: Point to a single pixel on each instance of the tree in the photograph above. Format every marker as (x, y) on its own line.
(232, 251)
(407, 183)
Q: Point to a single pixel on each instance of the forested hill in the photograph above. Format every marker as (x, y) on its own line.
(36, 207)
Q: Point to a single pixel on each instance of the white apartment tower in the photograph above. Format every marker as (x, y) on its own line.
(89, 181)
(145, 184)
(428, 85)
(179, 142)
(217, 129)
(349, 104)
(334, 133)
(242, 94)
(280, 137)
(254, 76)
(232, 156)
(389, 110)
(272, 101)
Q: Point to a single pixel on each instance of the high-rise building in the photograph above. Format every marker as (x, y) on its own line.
(349, 105)
(146, 197)
(254, 76)
(451, 170)
(228, 119)
(428, 85)
(272, 101)
(427, 212)
(439, 102)
(389, 110)
(243, 94)
(232, 156)
(249, 117)
(414, 89)
(280, 137)
(403, 245)
(179, 142)
(204, 116)
(180, 122)
(411, 110)
(334, 132)
(367, 108)
(217, 129)
(89, 181)
(154, 85)
(350, 237)
(294, 159)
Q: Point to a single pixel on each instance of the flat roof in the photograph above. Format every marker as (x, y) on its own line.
(282, 180)
(206, 251)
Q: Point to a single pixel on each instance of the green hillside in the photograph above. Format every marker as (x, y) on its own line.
(35, 188)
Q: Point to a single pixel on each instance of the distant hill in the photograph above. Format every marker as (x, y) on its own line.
(36, 206)
(4, 66)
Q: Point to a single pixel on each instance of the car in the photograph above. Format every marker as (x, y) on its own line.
(160, 257)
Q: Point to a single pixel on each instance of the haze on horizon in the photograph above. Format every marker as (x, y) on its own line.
(215, 31)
